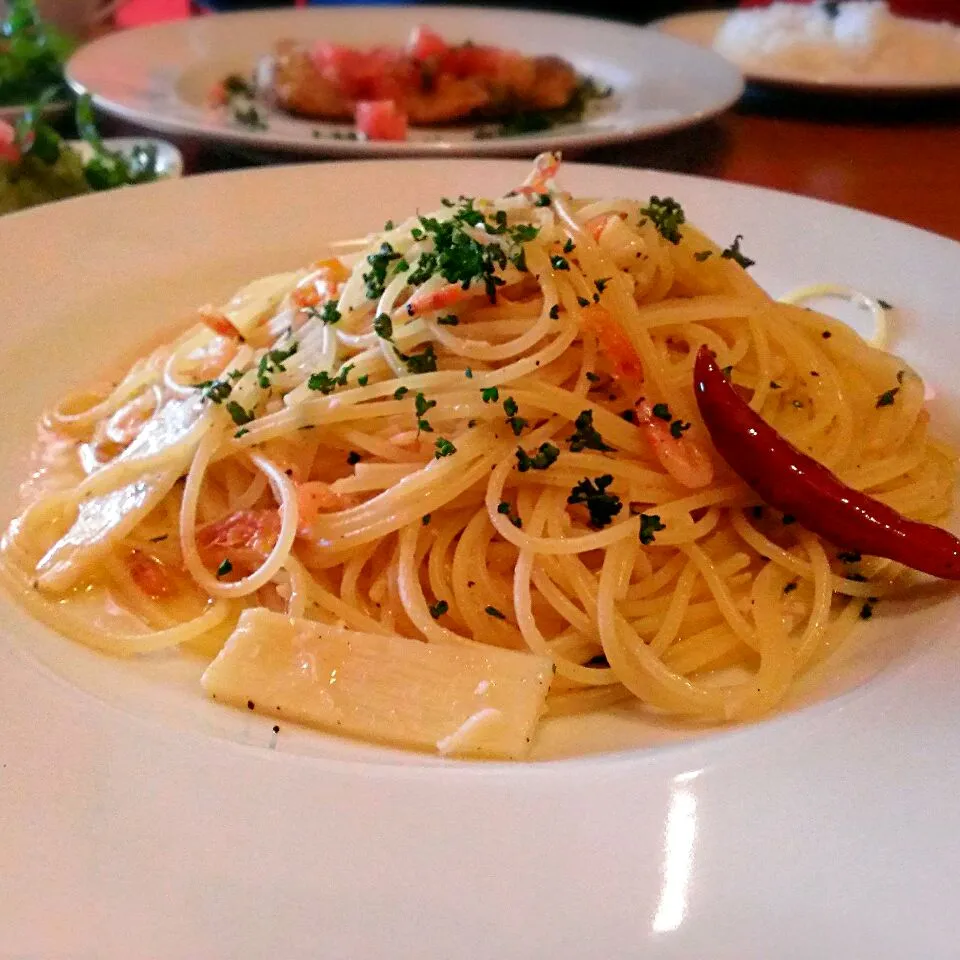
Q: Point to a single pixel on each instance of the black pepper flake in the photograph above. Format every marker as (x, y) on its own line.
(826, 334)
(789, 518)
(276, 728)
(866, 611)
(251, 705)
(790, 587)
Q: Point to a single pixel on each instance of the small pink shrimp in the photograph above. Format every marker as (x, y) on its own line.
(118, 431)
(680, 456)
(441, 299)
(615, 345)
(545, 168)
(596, 225)
(244, 538)
(218, 323)
(315, 497)
(151, 575)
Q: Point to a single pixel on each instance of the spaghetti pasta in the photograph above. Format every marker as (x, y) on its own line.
(480, 430)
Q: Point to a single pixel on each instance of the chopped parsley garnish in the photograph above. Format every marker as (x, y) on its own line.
(383, 326)
(422, 405)
(629, 415)
(787, 519)
(666, 215)
(545, 457)
(662, 411)
(489, 394)
(329, 314)
(217, 391)
(423, 362)
(583, 301)
(425, 520)
(444, 448)
(884, 305)
(555, 312)
(849, 556)
(677, 429)
(225, 567)
(363, 379)
(494, 612)
(602, 506)
(592, 377)
(774, 385)
(468, 373)
(586, 436)
(504, 509)
(400, 393)
(559, 263)
(790, 587)
(353, 458)
(734, 253)
(900, 375)
(511, 409)
(238, 414)
(702, 255)
(389, 225)
(601, 284)
(886, 398)
(242, 432)
(375, 281)
(866, 611)
(439, 609)
(543, 200)
(650, 525)
(272, 362)
(569, 246)
(450, 320)
(856, 577)
(248, 116)
(460, 258)
(325, 383)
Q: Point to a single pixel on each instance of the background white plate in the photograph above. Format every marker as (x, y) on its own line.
(141, 821)
(160, 76)
(700, 28)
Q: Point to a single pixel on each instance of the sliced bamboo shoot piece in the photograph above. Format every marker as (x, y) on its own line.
(459, 700)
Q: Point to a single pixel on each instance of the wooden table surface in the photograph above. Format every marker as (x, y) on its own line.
(900, 160)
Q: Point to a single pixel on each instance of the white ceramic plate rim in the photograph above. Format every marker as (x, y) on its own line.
(142, 840)
(713, 83)
(701, 26)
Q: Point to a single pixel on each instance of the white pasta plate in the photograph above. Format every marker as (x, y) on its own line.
(160, 77)
(701, 28)
(140, 819)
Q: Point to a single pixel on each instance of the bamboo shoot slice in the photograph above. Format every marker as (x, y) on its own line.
(458, 700)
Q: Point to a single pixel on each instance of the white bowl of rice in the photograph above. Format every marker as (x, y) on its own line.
(854, 44)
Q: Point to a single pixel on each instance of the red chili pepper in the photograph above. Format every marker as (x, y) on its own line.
(798, 485)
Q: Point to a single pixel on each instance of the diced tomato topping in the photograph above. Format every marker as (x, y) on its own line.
(472, 61)
(380, 120)
(9, 150)
(425, 43)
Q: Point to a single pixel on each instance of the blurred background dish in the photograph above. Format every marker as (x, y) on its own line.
(856, 47)
(161, 77)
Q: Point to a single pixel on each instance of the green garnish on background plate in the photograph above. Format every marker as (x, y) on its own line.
(48, 168)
